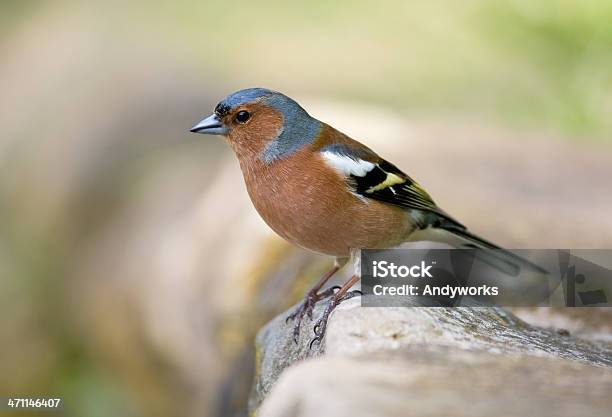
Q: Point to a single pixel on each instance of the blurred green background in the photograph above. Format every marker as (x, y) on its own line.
(101, 186)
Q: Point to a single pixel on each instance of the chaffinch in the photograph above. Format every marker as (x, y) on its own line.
(321, 190)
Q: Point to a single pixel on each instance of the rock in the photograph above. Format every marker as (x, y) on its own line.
(594, 323)
(391, 361)
(439, 383)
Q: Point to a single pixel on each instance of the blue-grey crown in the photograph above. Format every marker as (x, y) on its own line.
(299, 129)
(242, 97)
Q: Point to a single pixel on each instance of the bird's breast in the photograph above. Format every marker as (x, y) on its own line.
(311, 206)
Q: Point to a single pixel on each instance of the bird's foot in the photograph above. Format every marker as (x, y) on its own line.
(306, 307)
(321, 325)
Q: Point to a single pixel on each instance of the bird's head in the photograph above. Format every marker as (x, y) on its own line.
(261, 123)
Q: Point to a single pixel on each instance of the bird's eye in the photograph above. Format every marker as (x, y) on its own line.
(242, 116)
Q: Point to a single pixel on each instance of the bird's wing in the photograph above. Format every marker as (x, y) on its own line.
(370, 176)
(373, 177)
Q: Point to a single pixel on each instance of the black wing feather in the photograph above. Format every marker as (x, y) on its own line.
(407, 193)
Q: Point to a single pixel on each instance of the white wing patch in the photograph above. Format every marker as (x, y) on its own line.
(347, 165)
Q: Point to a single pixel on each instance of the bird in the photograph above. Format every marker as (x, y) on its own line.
(323, 191)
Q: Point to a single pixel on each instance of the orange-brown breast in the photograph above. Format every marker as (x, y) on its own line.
(305, 201)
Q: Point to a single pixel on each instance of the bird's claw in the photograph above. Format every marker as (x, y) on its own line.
(306, 308)
(303, 309)
(321, 325)
(296, 313)
(313, 341)
(329, 292)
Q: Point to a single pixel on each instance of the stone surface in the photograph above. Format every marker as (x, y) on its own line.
(594, 323)
(429, 361)
(418, 382)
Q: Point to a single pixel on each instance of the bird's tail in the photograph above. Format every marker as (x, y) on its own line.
(487, 252)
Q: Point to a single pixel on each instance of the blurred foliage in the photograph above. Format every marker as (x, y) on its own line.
(544, 64)
(12, 12)
(570, 45)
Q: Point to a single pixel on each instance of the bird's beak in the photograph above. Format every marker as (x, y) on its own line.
(210, 126)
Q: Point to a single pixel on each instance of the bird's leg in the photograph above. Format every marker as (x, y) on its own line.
(312, 297)
(340, 296)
